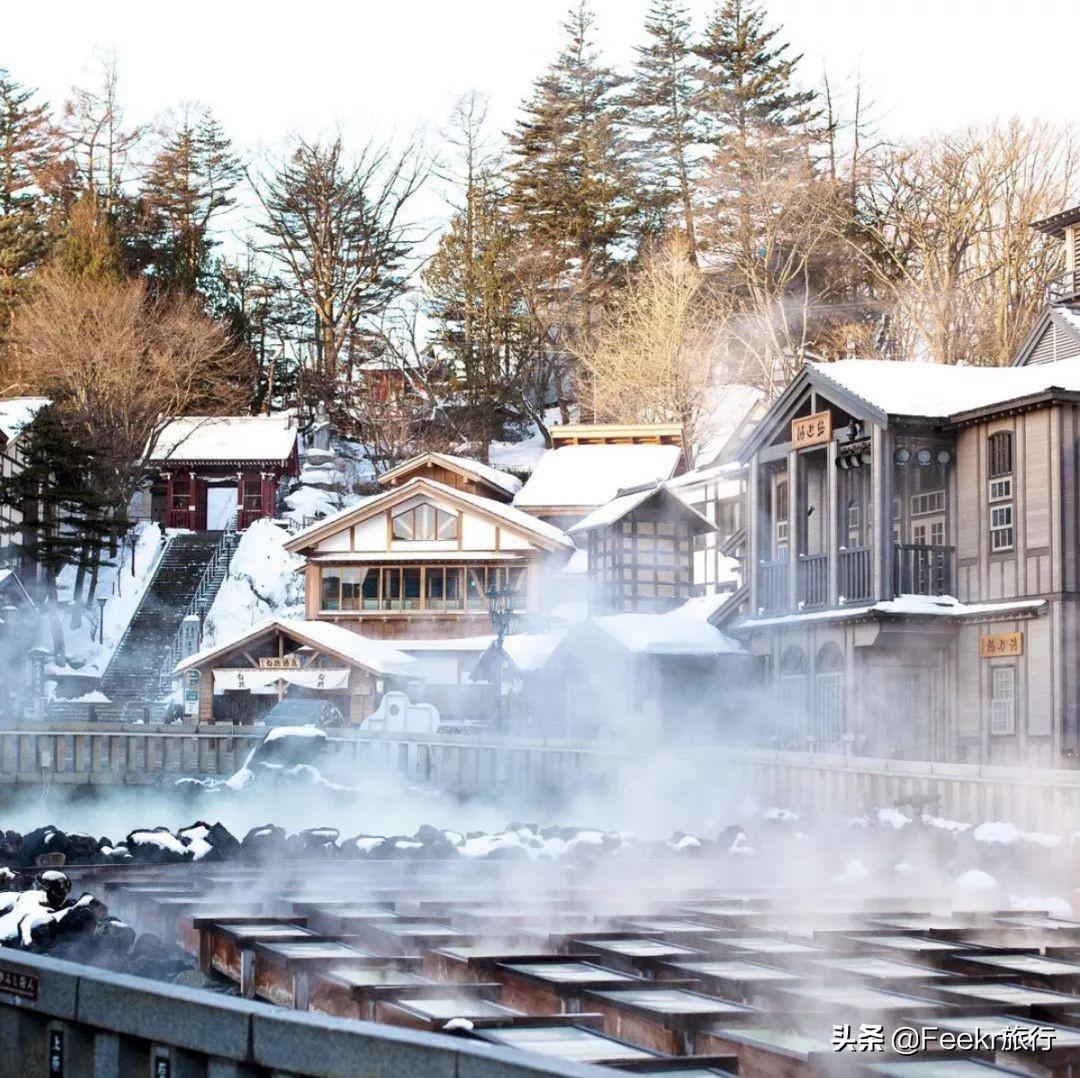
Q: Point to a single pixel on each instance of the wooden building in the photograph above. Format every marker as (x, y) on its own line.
(461, 473)
(913, 552)
(418, 559)
(641, 551)
(215, 472)
(240, 680)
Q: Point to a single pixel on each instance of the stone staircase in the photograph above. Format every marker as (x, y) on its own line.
(187, 578)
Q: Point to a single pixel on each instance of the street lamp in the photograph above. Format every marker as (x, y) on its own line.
(501, 610)
(102, 600)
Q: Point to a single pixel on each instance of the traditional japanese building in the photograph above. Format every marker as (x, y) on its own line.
(240, 680)
(418, 559)
(216, 472)
(590, 465)
(461, 473)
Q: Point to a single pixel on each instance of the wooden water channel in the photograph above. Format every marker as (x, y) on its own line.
(655, 977)
(113, 754)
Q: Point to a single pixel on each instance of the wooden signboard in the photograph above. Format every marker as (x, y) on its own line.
(288, 662)
(813, 429)
(997, 645)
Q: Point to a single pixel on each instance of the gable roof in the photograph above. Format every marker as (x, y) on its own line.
(943, 393)
(546, 535)
(619, 507)
(1055, 335)
(472, 469)
(219, 439)
(17, 413)
(587, 476)
(377, 656)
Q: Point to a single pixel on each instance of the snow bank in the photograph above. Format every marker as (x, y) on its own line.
(263, 582)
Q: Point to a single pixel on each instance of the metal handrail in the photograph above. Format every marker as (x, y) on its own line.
(225, 547)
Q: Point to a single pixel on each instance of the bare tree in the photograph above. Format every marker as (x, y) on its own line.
(656, 353)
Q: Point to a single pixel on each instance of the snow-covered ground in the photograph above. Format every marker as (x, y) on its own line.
(87, 653)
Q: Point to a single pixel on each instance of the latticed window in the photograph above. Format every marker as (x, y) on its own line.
(425, 522)
(1000, 448)
(1000, 490)
(181, 492)
(1003, 700)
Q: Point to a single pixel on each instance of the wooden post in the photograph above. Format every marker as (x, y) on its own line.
(831, 529)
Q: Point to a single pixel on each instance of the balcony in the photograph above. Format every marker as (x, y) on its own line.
(773, 586)
(856, 574)
(813, 580)
(921, 569)
(1064, 289)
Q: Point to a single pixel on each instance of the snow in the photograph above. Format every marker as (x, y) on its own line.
(262, 582)
(910, 606)
(853, 872)
(588, 476)
(276, 733)
(17, 413)
(524, 454)
(1005, 834)
(892, 818)
(226, 438)
(378, 656)
(86, 654)
(935, 390)
(531, 651)
(726, 414)
(976, 880)
(494, 477)
(682, 631)
(520, 521)
(164, 840)
(308, 501)
(617, 508)
(91, 698)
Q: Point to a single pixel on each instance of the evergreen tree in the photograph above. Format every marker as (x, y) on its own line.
(665, 95)
(89, 247)
(189, 181)
(573, 186)
(25, 148)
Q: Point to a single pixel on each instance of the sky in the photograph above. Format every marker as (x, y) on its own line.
(393, 69)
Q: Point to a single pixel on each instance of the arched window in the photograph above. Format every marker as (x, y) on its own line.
(792, 701)
(828, 694)
(425, 521)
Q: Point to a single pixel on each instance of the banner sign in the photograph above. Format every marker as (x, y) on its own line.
(251, 680)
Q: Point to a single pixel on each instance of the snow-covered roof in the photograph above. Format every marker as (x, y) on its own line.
(938, 390)
(617, 508)
(727, 411)
(216, 439)
(587, 476)
(378, 656)
(938, 606)
(522, 522)
(18, 412)
(682, 631)
(492, 476)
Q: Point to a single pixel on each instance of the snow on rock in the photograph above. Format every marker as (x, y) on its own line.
(263, 582)
(276, 733)
(853, 872)
(976, 880)
(1001, 832)
(891, 817)
(781, 814)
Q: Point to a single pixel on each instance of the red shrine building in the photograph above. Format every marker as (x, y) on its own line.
(214, 472)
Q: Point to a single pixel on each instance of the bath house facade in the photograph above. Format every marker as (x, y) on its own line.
(912, 583)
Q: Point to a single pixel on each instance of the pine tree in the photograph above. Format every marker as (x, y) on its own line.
(748, 78)
(666, 92)
(25, 148)
(189, 181)
(572, 182)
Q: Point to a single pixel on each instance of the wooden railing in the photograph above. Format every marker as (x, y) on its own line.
(922, 569)
(813, 579)
(856, 574)
(1065, 287)
(179, 518)
(773, 586)
(246, 517)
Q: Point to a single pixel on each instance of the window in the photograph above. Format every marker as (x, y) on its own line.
(1003, 700)
(438, 588)
(425, 522)
(932, 501)
(1000, 491)
(181, 493)
(252, 496)
(829, 695)
(793, 697)
(1000, 448)
(918, 534)
(937, 533)
(1001, 527)
(780, 515)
